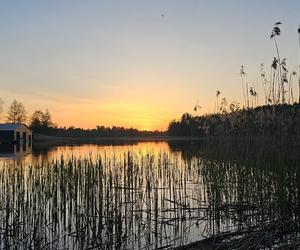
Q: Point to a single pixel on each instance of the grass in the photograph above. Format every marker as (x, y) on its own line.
(90, 203)
(150, 201)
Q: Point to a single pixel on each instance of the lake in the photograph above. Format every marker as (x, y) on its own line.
(147, 195)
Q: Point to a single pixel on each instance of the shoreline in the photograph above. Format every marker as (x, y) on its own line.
(47, 138)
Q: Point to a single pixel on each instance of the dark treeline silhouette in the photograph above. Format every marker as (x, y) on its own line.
(99, 131)
(41, 123)
(268, 120)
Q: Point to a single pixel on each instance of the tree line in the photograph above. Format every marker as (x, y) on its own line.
(267, 120)
(41, 122)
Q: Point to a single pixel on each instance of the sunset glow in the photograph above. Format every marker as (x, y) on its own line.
(149, 124)
(135, 64)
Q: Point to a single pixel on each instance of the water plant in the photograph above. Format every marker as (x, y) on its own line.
(299, 62)
(276, 31)
(264, 82)
(149, 200)
(244, 88)
(217, 101)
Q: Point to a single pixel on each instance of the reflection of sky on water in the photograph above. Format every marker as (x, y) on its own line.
(179, 191)
(42, 153)
(15, 151)
(155, 181)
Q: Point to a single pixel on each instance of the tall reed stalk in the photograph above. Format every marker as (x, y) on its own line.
(244, 88)
(299, 63)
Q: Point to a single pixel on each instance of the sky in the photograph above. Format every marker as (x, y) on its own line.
(136, 63)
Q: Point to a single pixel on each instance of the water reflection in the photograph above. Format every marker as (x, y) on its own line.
(15, 150)
(149, 194)
(44, 152)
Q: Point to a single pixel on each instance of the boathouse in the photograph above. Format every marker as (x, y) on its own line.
(15, 133)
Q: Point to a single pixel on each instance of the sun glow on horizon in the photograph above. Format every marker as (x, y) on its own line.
(121, 115)
(121, 64)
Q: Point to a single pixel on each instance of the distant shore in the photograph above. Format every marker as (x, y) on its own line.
(47, 138)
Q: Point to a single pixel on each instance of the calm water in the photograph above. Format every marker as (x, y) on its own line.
(144, 195)
(43, 153)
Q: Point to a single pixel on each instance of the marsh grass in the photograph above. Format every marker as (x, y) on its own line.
(144, 200)
(103, 202)
(253, 203)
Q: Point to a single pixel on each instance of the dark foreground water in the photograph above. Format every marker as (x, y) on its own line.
(147, 195)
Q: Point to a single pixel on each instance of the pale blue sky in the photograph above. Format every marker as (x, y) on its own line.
(125, 61)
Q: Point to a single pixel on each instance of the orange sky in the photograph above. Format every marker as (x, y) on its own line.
(136, 63)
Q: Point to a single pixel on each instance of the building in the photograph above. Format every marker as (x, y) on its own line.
(11, 133)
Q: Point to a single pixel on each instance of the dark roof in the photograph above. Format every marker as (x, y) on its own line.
(11, 126)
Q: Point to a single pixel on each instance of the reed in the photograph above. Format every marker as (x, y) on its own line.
(145, 200)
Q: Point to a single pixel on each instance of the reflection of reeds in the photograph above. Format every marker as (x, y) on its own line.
(135, 200)
(259, 199)
(141, 201)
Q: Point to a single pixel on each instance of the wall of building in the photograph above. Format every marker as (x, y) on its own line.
(22, 133)
(7, 135)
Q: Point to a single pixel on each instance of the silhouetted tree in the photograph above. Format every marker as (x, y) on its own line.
(41, 121)
(16, 112)
(46, 119)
